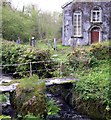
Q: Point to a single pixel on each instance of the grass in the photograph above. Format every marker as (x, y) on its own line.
(60, 54)
(62, 51)
(94, 82)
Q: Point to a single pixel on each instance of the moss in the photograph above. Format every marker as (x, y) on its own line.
(29, 97)
(92, 108)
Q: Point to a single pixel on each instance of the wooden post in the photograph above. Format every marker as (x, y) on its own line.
(61, 68)
(1, 76)
(30, 69)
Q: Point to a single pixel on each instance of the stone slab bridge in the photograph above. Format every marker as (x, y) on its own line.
(48, 82)
(59, 81)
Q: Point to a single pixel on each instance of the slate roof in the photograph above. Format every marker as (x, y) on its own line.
(66, 4)
(71, 1)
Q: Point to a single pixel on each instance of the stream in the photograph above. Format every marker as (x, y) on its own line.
(66, 112)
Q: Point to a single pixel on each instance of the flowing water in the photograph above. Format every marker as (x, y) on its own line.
(66, 112)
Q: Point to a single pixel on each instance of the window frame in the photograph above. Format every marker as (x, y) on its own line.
(77, 22)
(97, 20)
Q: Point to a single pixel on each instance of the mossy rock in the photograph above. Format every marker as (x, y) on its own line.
(29, 98)
(91, 108)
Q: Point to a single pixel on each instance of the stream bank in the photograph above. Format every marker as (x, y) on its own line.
(71, 107)
(72, 99)
(66, 112)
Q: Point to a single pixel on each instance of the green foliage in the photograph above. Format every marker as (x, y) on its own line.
(30, 22)
(21, 56)
(91, 66)
(94, 83)
(29, 97)
(10, 54)
(3, 117)
(100, 51)
(53, 109)
(15, 24)
(81, 59)
(31, 116)
(2, 98)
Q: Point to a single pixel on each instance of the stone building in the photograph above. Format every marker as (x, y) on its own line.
(86, 21)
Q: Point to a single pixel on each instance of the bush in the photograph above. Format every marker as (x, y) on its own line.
(87, 58)
(10, 54)
(100, 51)
(20, 54)
(93, 91)
(94, 88)
(81, 59)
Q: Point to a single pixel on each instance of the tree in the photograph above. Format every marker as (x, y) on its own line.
(15, 24)
(30, 22)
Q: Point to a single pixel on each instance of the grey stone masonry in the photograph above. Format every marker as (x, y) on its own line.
(88, 27)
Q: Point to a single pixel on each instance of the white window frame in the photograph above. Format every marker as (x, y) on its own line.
(77, 23)
(96, 16)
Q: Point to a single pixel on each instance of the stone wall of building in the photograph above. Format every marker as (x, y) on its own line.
(86, 8)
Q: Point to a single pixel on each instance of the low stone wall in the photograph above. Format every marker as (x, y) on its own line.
(90, 108)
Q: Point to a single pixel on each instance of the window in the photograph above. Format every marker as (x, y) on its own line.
(96, 14)
(77, 19)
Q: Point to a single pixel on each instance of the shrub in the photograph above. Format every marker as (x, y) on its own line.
(21, 56)
(100, 51)
(81, 59)
(87, 58)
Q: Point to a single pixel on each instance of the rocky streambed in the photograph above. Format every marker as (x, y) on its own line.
(66, 112)
(62, 96)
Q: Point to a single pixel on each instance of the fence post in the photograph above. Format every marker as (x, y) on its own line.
(1, 76)
(61, 68)
(30, 69)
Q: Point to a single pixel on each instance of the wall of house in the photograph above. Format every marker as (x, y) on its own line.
(67, 25)
(86, 8)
